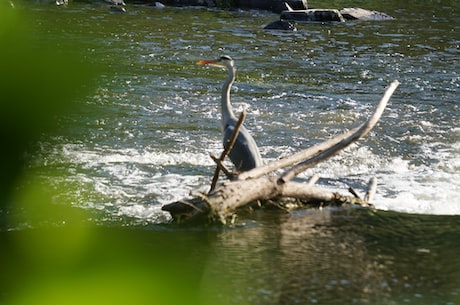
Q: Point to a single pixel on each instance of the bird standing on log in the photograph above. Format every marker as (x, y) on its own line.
(245, 154)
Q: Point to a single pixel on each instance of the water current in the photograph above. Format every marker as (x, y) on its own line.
(142, 137)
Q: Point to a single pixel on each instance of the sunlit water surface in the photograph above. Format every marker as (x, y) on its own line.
(143, 136)
(142, 139)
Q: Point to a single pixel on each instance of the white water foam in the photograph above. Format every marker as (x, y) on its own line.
(106, 155)
(423, 188)
(403, 186)
(132, 183)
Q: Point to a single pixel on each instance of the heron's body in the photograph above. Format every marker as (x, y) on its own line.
(245, 154)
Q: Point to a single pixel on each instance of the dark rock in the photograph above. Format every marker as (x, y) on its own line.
(116, 2)
(210, 3)
(281, 25)
(117, 9)
(276, 6)
(313, 15)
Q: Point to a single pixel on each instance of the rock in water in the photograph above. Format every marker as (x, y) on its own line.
(117, 9)
(116, 2)
(281, 25)
(312, 15)
(355, 13)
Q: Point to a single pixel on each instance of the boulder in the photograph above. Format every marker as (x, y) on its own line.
(312, 15)
(355, 13)
(270, 5)
(210, 3)
(281, 25)
(117, 9)
(276, 6)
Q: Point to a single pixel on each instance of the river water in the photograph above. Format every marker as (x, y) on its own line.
(143, 136)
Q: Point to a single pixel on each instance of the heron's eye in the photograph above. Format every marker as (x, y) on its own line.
(225, 57)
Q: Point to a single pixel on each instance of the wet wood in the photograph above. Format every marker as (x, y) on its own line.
(261, 184)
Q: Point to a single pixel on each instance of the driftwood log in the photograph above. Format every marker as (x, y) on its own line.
(262, 185)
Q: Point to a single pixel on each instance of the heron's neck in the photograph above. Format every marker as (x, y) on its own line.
(227, 110)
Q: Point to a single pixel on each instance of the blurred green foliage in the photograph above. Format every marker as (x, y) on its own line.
(38, 82)
(88, 265)
(67, 260)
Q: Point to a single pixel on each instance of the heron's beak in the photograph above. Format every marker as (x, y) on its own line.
(204, 62)
(213, 62)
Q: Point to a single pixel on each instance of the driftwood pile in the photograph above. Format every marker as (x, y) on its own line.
(262, 186)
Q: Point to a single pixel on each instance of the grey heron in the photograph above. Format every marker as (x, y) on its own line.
(245, 154)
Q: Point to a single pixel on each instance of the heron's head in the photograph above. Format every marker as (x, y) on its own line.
(224, 61)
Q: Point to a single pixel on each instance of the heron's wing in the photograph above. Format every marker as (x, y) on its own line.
(245, 154)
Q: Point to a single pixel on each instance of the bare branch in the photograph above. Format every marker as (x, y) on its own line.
(313, 180)
(353, 192)
(302, 191)
(256, 185)
(227, 148)
(331, 146)
(372, 188)
(220, 166)
(333, 150)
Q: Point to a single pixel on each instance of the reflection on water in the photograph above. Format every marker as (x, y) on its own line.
(337, 257)
(328, 256)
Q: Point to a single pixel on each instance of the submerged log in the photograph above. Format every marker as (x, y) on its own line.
(258, 185)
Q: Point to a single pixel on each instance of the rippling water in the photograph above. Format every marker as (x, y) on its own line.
(142, 138)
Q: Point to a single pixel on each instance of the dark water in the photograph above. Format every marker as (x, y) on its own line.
(141, 137)
(340, 257)
(307, 257)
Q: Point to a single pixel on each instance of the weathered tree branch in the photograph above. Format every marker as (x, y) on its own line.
(256, 185)
(371, 189)
(227, 148)
(324, 150)
(220, 166)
